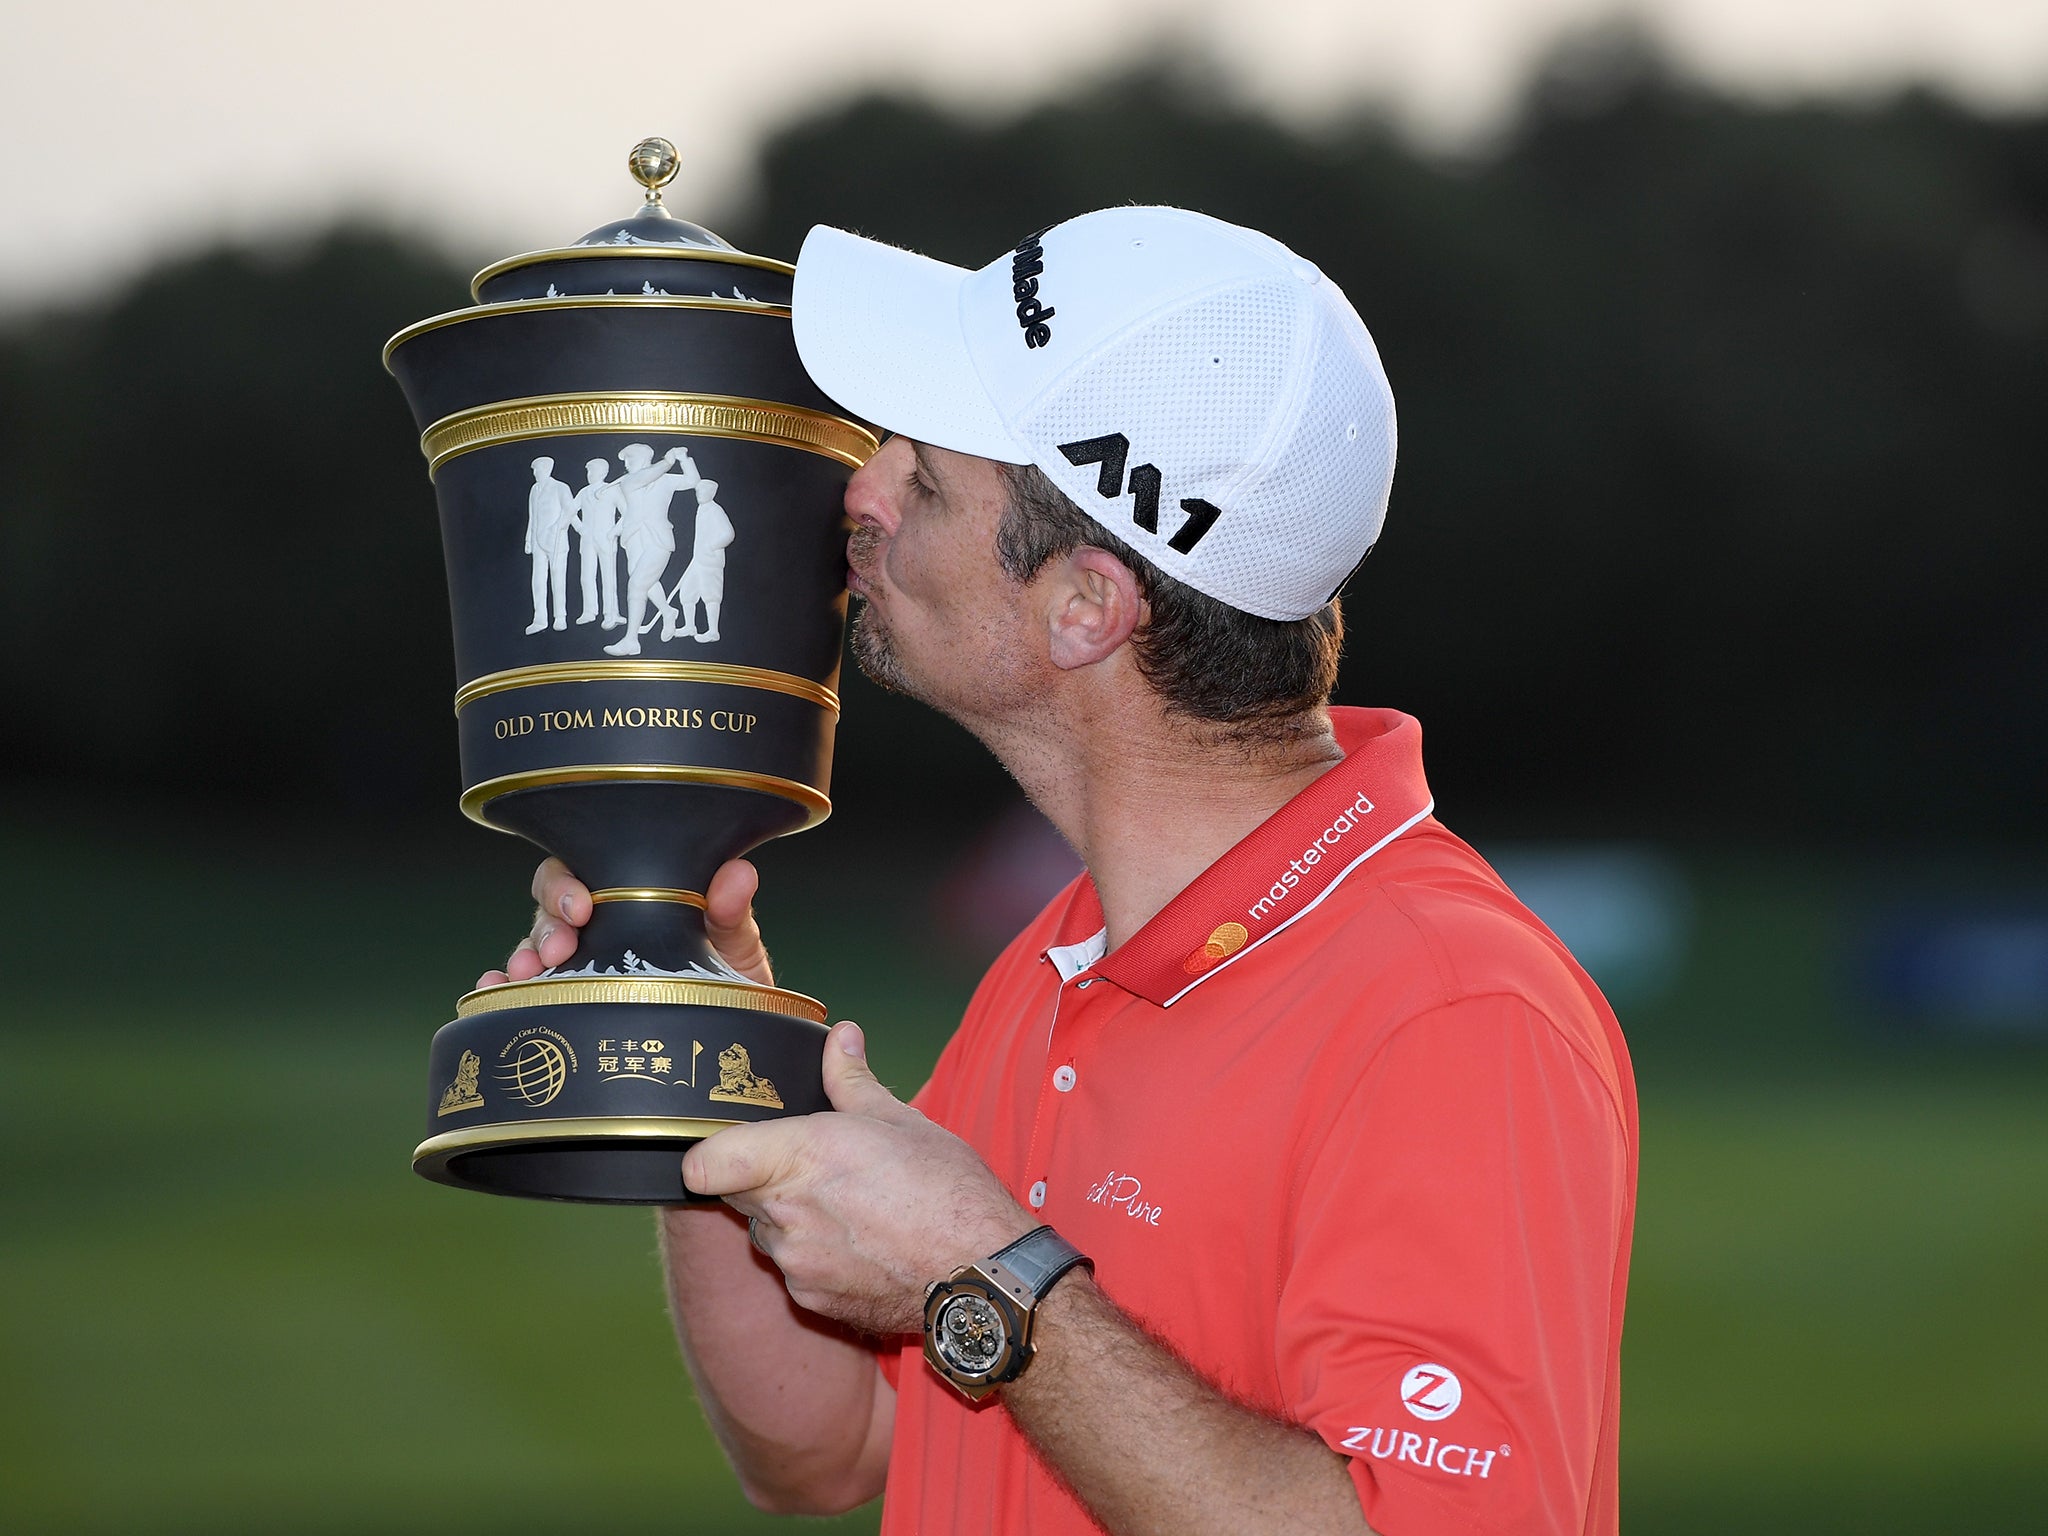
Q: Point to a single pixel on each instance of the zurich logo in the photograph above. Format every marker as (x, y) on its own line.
(1431, 1392)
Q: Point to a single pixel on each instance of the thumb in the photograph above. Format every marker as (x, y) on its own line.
(851, 1084)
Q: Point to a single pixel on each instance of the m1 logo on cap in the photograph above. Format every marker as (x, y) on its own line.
(1431, 1392)
(1025, 268)
(1110, 451)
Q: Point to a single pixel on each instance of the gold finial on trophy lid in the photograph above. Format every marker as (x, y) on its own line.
(654, 163)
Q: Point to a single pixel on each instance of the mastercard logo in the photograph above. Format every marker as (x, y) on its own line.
(1226, 941)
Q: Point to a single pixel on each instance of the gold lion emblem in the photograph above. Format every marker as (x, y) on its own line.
(462, 1093)
(739, 1083)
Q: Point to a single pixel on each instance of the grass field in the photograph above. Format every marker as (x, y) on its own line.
(226, 1305)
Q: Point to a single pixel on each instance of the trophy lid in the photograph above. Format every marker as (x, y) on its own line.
(646, 245)
(654, 163)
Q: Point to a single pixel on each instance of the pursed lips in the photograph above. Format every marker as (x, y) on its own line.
(860, 545)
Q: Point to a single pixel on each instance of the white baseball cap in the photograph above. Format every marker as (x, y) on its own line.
(1198, 389)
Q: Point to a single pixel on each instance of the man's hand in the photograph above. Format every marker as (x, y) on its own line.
(562, 905)
(860, 1208)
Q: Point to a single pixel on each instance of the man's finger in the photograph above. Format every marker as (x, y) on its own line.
(729, 920)
(525, 963)
(552, 939)
(741, 1157)
(560, 894)
(851, 1084)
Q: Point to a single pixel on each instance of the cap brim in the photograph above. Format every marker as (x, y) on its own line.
(879, 331)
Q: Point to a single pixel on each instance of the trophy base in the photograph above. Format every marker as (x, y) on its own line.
(591, 1089)
(593, 1162)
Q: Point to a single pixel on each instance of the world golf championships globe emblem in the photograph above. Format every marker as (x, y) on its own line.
(536, 1072)
(641, 503)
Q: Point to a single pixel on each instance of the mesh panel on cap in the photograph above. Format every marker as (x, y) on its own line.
(1321, 497)
(1266, 400)
(1195, 392)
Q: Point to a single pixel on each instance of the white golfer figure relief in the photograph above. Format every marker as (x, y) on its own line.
(704, 579)
(550, 514)
(628, 517)
(598, 509)
(647, 538)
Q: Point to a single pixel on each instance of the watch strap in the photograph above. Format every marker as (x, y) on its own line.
(1039, 1258)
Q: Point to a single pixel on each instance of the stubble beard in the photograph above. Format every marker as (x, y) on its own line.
(872, 648)
(876, 653)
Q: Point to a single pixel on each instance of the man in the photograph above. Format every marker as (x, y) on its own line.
(549, 511)
(647, 536)
(704, 580)
(598, 508)
(1347, 1136)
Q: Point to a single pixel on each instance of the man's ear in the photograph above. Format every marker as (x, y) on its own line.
(1094, 607)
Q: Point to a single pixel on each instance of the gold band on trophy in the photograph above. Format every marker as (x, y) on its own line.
(816, 806)
(634, 671)
(622, 1128)
(691, 415)
(589, 301)
(702, 992)
(648, 893)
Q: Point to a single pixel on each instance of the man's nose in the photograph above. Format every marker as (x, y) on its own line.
(871, 495)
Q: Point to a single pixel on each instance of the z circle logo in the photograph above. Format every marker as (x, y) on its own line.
(1431, 1392)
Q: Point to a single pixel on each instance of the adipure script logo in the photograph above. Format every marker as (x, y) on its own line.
(1026, 267)
(1431, 1392)
(1326, 842)
(1125, 1193)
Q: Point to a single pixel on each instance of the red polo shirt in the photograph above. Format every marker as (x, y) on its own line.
(1349, 1127)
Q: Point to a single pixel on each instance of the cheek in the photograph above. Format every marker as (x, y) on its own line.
(927, 569)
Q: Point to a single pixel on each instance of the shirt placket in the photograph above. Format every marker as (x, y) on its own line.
(1080, 1009)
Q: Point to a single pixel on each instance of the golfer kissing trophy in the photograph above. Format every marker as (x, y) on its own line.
(640, 495)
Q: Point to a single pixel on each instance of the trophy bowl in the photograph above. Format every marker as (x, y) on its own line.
(640, 494)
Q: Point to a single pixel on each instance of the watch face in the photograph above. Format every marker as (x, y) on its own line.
(969, 1334)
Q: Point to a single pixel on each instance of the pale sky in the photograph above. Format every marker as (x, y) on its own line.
(139, 127)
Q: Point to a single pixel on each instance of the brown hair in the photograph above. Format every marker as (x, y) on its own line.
(1257, 679)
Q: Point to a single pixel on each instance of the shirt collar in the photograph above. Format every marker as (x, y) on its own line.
(1070, 960)
(1274, 877)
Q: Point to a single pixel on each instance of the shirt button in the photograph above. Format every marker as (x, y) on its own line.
(1038, 1194)
(1063, 1079)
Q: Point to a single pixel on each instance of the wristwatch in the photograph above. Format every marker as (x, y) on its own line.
(977, 1325)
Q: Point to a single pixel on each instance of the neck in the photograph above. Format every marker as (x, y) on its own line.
(1149, 800)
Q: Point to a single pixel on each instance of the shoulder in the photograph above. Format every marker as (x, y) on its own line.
(1426, 937)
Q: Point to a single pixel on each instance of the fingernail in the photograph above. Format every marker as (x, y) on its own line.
(563, 904)
(850, 1039)
(540, 939)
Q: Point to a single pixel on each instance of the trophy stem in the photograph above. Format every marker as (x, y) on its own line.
(646, 936)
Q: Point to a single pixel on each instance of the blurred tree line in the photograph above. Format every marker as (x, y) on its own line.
(1719, 509)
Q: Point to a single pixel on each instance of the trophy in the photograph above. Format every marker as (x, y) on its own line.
(640, 499)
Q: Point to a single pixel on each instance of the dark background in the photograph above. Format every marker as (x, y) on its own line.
(1718, 512)
(1714, 569)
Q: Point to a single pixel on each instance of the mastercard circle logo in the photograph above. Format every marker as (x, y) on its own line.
(1226, 941)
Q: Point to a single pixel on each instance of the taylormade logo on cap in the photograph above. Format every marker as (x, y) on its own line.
(1024, 269)
(1207, 396)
